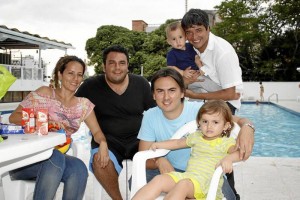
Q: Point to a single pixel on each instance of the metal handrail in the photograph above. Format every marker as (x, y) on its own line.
(273, 95)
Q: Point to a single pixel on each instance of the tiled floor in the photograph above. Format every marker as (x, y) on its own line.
(261, 178)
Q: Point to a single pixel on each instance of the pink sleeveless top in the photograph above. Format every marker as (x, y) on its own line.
(68, 118)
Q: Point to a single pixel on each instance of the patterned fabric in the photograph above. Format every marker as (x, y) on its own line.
(205, 154)
(60, 116)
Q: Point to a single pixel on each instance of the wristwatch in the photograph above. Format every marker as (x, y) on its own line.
(250, 125)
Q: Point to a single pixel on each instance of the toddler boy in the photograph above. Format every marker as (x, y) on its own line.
(184, 59)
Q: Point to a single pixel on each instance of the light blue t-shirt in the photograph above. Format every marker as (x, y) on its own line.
(156, 127)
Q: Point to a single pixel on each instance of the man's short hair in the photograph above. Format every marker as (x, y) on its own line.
(195, 17)
(114, 48)
(168, 72)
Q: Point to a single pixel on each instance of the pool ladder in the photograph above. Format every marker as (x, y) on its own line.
(274, 94)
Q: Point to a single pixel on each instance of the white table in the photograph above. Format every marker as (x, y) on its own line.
(20, 150)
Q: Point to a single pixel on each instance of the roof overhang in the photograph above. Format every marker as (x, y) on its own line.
(14, 39)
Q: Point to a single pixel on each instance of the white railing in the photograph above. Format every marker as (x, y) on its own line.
(274, 94)
(25, 73)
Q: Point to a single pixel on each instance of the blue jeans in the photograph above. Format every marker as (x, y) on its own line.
(49, 173)
(226, 189)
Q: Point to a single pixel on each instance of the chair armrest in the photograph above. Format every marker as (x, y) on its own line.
(139, 167)
(212, 192)
(139, 159)
(78, 150)
(80, 146)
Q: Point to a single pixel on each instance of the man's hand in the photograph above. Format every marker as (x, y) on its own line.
(245, 142)
(164, 165)
(237, 96)
(102, 155)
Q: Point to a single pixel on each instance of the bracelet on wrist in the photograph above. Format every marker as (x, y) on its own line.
(250, 125)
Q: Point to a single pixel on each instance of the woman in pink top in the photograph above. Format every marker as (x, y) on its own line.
(65, 112)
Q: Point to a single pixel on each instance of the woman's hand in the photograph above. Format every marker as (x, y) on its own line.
(102, 155)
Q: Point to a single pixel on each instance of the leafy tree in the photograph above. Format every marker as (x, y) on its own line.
(254, 28)
(145, 49)
(112, 35)
(153, 64)
(155, 50)
(285, 17)
(241, 26)
(265, 34)
(278, 58)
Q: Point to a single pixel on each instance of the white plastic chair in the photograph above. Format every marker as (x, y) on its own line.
(98, 190)
(140, 158)
(80, 151)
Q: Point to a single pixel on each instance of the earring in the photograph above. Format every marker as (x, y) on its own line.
(224, 133)
(59, 83)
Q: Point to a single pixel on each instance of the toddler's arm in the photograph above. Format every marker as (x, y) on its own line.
(227, 161)
(187, 73)
(169, 144)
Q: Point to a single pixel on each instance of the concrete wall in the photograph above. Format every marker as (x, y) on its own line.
(285, 90)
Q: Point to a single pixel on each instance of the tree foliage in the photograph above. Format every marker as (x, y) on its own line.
(113, 35)
(265, 34)
(255, 28)
(145, 49)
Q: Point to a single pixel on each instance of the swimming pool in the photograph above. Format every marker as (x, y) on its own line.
(277, 130)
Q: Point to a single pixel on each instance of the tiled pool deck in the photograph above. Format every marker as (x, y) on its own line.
(273, 178)
(260, 178)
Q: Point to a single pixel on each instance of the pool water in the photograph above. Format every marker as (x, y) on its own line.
(277, 130)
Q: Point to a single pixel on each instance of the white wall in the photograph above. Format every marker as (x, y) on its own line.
(285, 90)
